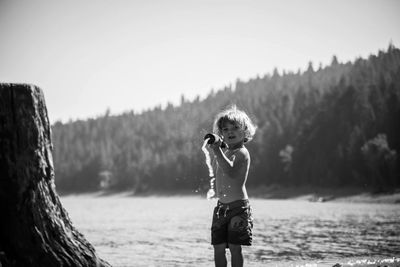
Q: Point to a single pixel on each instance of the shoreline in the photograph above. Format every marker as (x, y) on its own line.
(274, 192)
(319, 194)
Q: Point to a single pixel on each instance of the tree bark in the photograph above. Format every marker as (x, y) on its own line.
(35, 229)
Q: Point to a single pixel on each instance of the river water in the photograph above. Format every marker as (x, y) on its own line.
(175, 231)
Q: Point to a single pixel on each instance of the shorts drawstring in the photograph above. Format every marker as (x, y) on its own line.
(219, 209)
(226, 211)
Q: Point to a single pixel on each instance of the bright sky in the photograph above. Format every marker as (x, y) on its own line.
(88, 56)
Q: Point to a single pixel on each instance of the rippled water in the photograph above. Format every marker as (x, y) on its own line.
(175, 231)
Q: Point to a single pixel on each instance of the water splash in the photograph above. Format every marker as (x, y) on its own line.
(211, 191)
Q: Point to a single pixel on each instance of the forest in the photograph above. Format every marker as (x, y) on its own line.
(330, 126)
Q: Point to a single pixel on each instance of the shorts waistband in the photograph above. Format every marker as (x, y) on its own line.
(234, 204)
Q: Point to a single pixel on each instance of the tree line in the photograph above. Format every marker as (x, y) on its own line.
(337, 125)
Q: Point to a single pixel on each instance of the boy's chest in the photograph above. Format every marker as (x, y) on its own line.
(230, 154)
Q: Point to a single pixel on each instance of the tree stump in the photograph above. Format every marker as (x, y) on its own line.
(35, 229)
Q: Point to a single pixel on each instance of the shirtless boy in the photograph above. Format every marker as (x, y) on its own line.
(232, 221)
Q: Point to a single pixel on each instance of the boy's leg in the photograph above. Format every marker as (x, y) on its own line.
(239, 233)
(219, 255)
(236, 255)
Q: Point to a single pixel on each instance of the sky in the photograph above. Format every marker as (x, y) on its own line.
(120, 55)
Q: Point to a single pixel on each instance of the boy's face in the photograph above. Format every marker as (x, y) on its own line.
(232, 133)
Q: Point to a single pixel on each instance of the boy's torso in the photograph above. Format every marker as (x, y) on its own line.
(230, 189)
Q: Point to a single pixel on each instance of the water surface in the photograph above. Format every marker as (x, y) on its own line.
(175, 231)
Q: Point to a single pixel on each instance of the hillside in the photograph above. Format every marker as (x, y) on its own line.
(329, 127)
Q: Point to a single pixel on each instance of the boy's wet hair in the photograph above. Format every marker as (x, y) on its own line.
(237, 117)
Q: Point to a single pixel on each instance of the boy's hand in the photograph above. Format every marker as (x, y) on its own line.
(217, 144)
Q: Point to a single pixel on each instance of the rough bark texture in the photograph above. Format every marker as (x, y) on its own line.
(35, 229)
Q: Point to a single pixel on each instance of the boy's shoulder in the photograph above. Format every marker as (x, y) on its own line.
(243, 150)
(241, 153)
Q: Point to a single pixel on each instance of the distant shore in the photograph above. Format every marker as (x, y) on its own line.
(304, 193)
(317, 194)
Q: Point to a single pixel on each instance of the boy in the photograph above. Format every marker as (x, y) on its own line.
(232, 222)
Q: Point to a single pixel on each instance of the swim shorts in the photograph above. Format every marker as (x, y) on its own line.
(232, 223)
